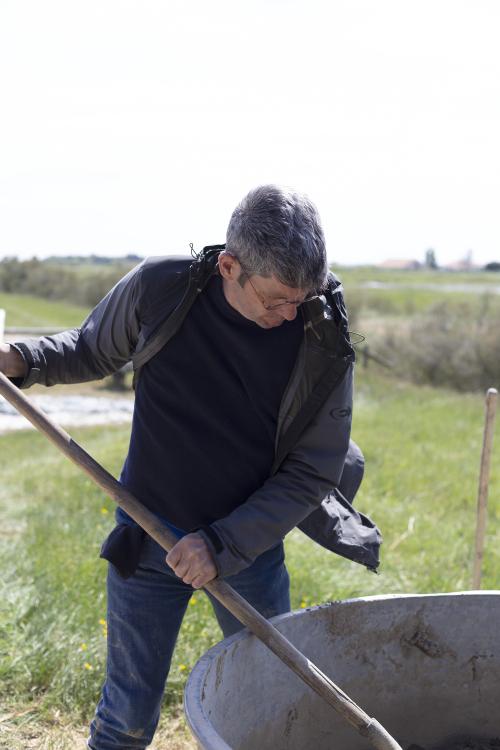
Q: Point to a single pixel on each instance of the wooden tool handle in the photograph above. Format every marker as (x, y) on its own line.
(235, 603)
(484, 478)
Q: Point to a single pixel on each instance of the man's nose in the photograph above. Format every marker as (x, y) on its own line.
(289, 312)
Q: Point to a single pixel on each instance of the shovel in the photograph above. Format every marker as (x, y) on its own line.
(244, 612)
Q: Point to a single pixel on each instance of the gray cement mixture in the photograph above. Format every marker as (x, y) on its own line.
(471, 743)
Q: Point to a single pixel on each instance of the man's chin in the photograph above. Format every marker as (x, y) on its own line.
(263, 323)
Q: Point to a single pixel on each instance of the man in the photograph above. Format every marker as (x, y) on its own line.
(241, 432)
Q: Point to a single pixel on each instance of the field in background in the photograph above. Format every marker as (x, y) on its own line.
(25, 310)
(383, 291)
(422, 449)
(379, 297)
(363, 274)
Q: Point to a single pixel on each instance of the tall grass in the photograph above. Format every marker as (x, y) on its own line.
(387, 293)
(422, 450)
(448, 347)
(83, 284)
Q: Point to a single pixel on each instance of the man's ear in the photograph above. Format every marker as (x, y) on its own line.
(229, 268)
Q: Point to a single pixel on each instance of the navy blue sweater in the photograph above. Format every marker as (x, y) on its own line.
(205, 414)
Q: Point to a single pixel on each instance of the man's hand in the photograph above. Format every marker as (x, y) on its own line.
(191, 560)
(11, 362)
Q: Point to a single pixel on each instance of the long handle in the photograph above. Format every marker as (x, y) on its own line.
(484, 478)
(244, 612)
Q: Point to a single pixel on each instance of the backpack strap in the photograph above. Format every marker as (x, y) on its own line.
(317, 398)
(333, 375)
(198, 274)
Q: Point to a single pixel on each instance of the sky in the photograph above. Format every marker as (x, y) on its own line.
(136, 127)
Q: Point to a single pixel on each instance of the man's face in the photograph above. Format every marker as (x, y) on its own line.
(253, 296)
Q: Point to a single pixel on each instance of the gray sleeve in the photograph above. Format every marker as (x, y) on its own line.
(103, 344)
(305, 477)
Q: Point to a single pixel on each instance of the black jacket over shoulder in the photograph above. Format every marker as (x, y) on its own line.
(317, 468)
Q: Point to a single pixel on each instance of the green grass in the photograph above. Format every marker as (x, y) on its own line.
(362, 274)
(422, 449)
(411, 293)
(409, 297)
(25, 310)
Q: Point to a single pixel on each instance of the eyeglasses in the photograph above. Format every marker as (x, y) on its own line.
(261, 298)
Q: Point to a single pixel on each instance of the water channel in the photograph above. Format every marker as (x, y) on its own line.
(70, 411)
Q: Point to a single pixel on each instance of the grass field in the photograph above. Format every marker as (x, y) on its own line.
(422, 449)
(388, 293)
(362, 274)
(392, 294)
(24, 310)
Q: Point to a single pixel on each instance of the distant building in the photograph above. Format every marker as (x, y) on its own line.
(464, 264)
(461, 265)
(401, 264)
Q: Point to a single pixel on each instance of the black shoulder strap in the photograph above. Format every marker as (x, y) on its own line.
(309, 410)
(339, 364)
(199, 273)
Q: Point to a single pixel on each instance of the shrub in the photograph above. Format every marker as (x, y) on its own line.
(54, 281)
(448, 347)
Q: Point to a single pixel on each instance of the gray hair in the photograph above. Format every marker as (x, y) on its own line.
(277, 231)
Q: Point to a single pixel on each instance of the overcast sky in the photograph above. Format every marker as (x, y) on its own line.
(135, 127)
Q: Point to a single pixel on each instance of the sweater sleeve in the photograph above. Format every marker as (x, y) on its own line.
(101, 346)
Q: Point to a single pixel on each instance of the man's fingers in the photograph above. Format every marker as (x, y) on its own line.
(193, 572)
(180, 567)
(189, 575)
(183, 565)
(174, 556)
(199, 581)
(191, 561)
(183, 571)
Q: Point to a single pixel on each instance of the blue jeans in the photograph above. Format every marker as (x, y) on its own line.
(145, 613)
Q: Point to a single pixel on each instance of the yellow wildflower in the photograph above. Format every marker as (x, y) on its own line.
(83, 647)
(102, 622)
(192, 601)
(88, 666)
(182, 667)
(104, 511)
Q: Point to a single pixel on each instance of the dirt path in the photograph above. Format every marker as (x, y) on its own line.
(21, 730)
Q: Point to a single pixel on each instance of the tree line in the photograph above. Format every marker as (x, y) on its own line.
(53, 280)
